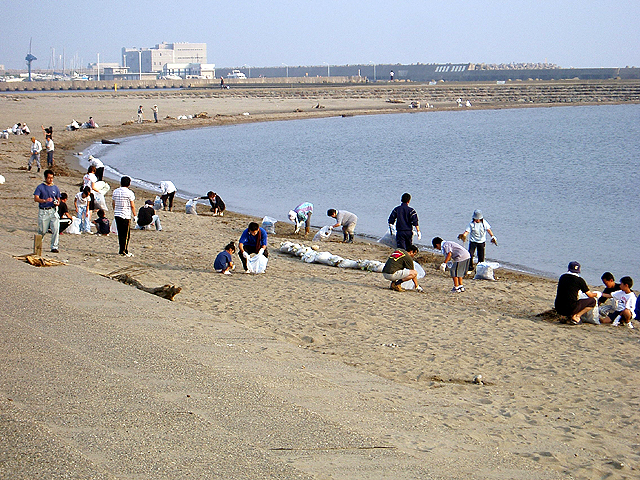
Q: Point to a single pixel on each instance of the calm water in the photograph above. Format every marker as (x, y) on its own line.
(556, 184)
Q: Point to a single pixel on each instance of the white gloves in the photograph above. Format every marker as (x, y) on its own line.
(391, 229)
(443, 267)
(419, 235)
(419, 289)
(261, 251)
(245, 254)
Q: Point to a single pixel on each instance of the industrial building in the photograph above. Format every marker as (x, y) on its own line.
(153, 60)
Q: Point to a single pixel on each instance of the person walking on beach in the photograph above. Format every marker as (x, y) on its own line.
(155, 113)
(405, 219)
(252, 240)
(36, 148)
(456, 257)
(167, 192)
(302, 214)
(477, 233)
(47, 196)
(123, 208)
(48, 144)
(399, 268)
(567, 303)
(346, 220)
(140, 114)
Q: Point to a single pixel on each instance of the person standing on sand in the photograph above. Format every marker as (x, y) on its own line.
(457, 257)
(405, 219)
(400, 268)
(48, 144)
(36, 148)
(123, 208)
(155, 113)
(567, 303)
(346, 220)
(99, 167)
(477, 231)
(47, 196)
(140, 114)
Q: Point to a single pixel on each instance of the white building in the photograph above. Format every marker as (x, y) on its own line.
(189, 70)
(147, 60)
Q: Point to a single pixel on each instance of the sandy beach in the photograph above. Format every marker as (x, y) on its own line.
(558, 401)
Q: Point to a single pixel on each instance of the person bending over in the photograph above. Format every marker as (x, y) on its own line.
(252, 240)
(457, 258)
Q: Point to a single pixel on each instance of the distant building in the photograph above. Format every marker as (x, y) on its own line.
(92, 68)
(189, 70)
(147, 60)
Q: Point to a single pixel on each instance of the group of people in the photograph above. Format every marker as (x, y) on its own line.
(140, 118)
(569, 304)
(36, 148)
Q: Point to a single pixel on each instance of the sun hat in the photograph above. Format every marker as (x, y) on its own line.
(574, 267)
(477, 214)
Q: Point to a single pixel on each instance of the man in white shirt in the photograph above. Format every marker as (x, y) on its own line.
(168, 190)
(36, 148)
(123, 208)
(99, 166)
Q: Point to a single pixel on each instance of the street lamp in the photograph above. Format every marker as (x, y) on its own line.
(98, 67)
(374, 71)
(249, 67)
(328, 69)
(287, 69)
(140, 64)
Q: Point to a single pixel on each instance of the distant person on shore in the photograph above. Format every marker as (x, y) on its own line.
(224, 260)
(91, 123)
(147, 216)
(36, 148)
(221, 82)
(391, 75)
(456, 257)
(302, 214)
(48, 144)
(346, 220)
(399, 268)
(140, 112)
(477, 232)
(47, 196)
(252, 240)
(81, 202)
(17, 128)
(154, 109)
(102, 224)
(405, 219)
(625, 304)
(123, 208)
(167, 192)
(65, 218)
(567, 302)
(217, 204)
(99, 167)
(25, 129)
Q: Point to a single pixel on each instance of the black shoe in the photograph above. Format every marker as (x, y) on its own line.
(29, 169)
(55, 250)
(38, 169)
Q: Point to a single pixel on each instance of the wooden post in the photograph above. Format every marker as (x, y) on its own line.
(37, 245)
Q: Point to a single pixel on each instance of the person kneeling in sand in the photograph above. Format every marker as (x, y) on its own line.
(252, 240)
(458, 259)
(625, 304)
(102, 224)
(399, 268)
(567, 302)
(147, 216)
(224, 261)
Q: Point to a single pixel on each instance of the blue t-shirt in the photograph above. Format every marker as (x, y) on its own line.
(250, 240)
(222, 260)
(44, 191)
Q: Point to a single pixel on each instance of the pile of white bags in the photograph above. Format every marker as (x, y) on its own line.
(191, 206)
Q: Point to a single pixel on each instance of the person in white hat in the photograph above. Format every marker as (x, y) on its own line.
(302, 214)
(155, 113)
(477, 232)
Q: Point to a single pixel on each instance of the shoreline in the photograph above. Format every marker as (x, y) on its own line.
(558, 398)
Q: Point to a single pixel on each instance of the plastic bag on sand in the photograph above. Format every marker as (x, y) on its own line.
(114, 227)
(191, 206)
(484, 270)
(323, 233)
(74, 227)
(309, 257)
(389, 239)
(348, 264)
(408, 285)
(257, 264)
(100, 201)
(102, 187)
(593, 315)
(269, 224)
(157, 203)
(323, 257)
(285, 247)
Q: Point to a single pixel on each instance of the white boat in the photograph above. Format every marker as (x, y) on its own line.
(236, 74)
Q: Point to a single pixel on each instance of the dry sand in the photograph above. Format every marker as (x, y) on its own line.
(566, 398)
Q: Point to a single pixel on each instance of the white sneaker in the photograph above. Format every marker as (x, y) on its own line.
(419, 289)
(616, 322)
(221, 214)
(630, 325)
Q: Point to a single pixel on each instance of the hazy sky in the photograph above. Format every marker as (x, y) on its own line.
(585, 33)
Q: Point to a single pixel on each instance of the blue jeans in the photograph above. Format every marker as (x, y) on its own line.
(85, 224)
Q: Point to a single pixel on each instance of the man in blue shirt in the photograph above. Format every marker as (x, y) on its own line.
(252, 240)
(47, 196)
(405, 218)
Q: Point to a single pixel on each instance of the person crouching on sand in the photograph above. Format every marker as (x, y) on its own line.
(567, 302)
(459, 258)
(224, 261)
(399, 268)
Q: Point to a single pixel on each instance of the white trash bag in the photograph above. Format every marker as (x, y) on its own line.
(157, 203)
(323, 234)
(99, 201)
(191, 206)
(74, 228)
(269, 224)
(257, 263)
(408, 285)
(102, 187)
(484, 270)
(389, 238)
(593, 315)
